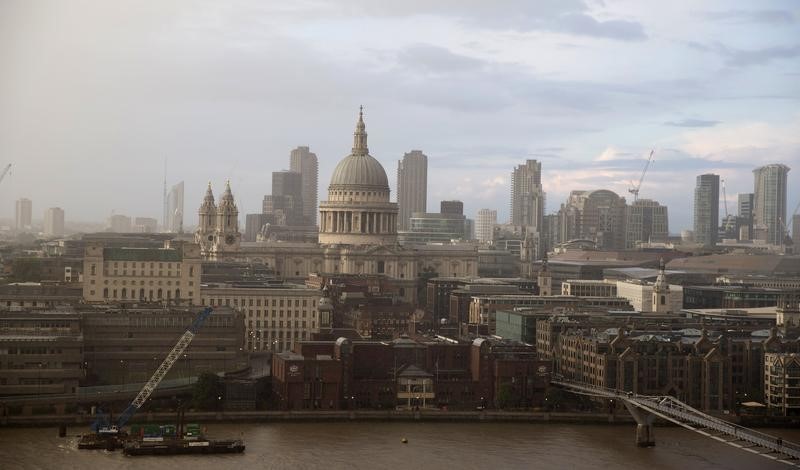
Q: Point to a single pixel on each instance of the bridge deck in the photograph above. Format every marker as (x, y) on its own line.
(675, 411)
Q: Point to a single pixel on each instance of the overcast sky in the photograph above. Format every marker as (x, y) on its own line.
(94, 95)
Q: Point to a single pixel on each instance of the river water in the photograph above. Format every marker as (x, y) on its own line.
(365, 445)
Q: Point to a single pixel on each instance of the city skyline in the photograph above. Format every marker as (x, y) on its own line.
(492, 92)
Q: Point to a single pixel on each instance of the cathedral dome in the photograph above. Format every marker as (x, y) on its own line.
(359, 170)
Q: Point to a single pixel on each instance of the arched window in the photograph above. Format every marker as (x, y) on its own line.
(105, 293)
(124, 292)
(151, 295)
(141, 294)
(663, 300)
(160, 294)
(177, 294)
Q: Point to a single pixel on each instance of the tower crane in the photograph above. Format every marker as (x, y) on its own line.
(158, 375)
(635, 190)
(5, 172)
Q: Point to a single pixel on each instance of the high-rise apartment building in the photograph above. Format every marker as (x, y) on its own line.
(706, 209)
(303, 161)
(54, 222)
(484, 224)
(412, 186)
(745, 215)
(174, 216)
(645, 221)
(769, 203)
(24, 214)
(527, 195)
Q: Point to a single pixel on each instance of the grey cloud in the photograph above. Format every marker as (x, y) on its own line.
(583, 24)
(692, 123)
(752, 16)
(744, 57)
(435, 59)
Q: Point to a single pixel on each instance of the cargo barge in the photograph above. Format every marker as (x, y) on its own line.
(183, 446)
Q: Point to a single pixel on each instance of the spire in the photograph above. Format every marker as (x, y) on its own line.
(209, 195)
(227, 196)
(360, 136)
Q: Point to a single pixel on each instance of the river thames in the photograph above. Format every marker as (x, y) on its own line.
(367, 445)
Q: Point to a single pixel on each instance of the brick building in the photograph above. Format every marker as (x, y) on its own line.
(405, 372)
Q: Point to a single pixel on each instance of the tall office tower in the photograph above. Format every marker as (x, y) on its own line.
(484, 224)
(769, 203)
(119, 224)
(24, 214)
(252, 226)
(645, 221)
(302, 161)
(796, 230)
(174, 216)
(451, 207)
(285, 206)
(706, 209)
(412, 187)
(597, 215)
(527, 195)
(54, 222)
(745, 214)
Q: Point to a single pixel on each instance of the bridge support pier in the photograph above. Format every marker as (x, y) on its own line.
(645, 435)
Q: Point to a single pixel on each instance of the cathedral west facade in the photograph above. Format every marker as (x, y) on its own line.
(357, 232)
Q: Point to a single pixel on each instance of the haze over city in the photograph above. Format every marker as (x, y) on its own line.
(94, 96)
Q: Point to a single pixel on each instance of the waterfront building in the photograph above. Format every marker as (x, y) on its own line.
(412, 187)
(20, 296)
(409, 372)
(706, 209)
(782, 383)
(124, 345)
(276, 315)
(123, 274)
(54, 222)
(303, 161)
(42, 353)
(769, 203)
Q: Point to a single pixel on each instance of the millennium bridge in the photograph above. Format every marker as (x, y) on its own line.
(646, 408)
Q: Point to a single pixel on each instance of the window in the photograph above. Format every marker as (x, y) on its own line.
(381, 267)
(94, 269)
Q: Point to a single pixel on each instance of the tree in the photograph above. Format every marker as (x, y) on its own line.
(507, 396)
(208, 392)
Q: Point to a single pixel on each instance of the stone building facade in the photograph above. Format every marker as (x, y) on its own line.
(170, 274)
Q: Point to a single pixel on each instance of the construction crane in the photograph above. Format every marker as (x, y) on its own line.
(158, 375)
(5, 172)
(635, 190)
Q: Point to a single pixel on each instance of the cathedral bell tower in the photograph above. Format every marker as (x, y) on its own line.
(207, 223)
(226, 234)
